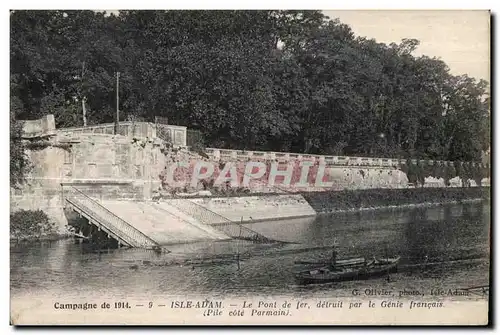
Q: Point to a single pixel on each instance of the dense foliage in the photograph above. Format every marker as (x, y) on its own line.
(267, 80)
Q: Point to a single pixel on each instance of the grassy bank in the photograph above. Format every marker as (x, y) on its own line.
(30, 225)
(336, 201)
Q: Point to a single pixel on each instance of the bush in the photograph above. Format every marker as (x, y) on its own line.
(30, 224)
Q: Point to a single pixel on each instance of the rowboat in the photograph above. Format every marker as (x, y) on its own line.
(375, 268)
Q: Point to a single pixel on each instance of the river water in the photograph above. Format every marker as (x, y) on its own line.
(440, 247)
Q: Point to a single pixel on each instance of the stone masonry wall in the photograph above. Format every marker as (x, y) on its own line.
(101, 165)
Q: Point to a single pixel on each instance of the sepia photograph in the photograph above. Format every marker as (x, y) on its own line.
(250, 167)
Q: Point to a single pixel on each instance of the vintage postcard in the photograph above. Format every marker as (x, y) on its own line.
(266, 167)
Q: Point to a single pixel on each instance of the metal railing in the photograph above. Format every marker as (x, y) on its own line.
(122, 230)
(227, 226)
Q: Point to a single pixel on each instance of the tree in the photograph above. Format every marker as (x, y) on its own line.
(262, 80)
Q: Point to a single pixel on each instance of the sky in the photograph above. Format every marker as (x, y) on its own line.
(459, 38)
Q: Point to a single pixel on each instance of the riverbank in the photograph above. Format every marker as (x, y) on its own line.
(400, 207)
(30, 225)
(267, 207)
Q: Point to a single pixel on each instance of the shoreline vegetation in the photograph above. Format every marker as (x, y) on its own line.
(370, 199)
(31, 226)
(405, 206)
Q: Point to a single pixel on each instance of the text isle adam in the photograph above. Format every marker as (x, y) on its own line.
(360, 298)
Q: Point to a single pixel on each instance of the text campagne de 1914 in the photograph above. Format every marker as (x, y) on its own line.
(258, 307)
